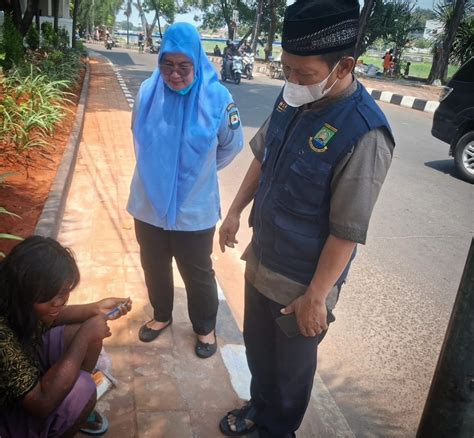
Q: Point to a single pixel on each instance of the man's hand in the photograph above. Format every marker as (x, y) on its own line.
(311, 315)
(228, 231)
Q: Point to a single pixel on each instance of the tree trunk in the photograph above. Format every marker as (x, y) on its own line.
(30, 12)
(74, 22)
(363, 21)
(439, 67)
(159, 27)
(272, 30)
(256, 27)
(56, 15)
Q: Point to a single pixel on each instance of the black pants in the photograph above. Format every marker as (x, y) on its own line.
(192, 251)
(282, 368)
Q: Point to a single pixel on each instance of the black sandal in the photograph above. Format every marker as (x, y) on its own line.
(246, 412)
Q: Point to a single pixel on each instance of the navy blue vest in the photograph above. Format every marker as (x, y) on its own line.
(290, 216)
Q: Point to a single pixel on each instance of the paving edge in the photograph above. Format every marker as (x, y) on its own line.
(50, 219)
(411, 102)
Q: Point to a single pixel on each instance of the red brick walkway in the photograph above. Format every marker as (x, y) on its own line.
(165, 390)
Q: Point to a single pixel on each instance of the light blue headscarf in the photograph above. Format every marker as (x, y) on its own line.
(172, 132)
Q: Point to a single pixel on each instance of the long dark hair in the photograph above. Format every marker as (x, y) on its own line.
(35, 271)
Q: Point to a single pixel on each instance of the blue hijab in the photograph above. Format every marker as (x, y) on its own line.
(173, 133)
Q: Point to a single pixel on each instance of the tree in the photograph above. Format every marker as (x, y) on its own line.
(21, 19)
(375, 25)
(450, 15)
(463, 46)
(403, 21)
(423, 15)
(128, 12)
(93, 13)
(161, 8)
(272, 22)
(363, 22)
(219, 12)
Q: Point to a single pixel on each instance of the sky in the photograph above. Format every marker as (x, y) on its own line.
(189, 18)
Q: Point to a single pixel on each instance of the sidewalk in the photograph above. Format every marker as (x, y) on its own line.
(165, 390)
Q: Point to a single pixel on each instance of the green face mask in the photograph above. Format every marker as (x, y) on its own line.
(183, 91)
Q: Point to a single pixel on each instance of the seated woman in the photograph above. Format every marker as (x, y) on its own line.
(48, 349)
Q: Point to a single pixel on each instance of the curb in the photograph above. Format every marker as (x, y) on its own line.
(50, 219)
(428, 106)
(410, 102)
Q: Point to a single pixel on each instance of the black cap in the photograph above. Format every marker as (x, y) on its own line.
(316, 27)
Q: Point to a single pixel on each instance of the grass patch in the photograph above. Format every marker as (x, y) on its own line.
(417, 69)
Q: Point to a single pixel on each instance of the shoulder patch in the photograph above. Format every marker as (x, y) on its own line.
(234, 118)
(231, 106)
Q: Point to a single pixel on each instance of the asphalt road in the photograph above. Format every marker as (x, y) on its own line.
(379, 357)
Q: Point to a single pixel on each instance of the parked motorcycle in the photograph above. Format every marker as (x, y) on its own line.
(275, 70)
(153, 49)
(248, 61)
(235, 71)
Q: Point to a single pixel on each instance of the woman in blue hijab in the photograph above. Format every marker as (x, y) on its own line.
(185, 127)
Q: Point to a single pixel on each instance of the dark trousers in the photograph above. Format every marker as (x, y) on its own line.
(192, 251)
(282, 368)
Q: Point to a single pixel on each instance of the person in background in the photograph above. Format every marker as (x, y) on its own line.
(320, 161)
(406, 72)
(141, 42)
(217, 51)
(186, 127)
(48, 349)
(387, 61)
(228, 58)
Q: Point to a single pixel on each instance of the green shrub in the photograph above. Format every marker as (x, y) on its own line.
(32, 38)
(11, 44)
(8, 236)
(49, 38)
(30, 110)
(63, 39)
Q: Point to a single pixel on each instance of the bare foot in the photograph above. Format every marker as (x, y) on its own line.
(232, 420)
(208, 339)
(157, 325)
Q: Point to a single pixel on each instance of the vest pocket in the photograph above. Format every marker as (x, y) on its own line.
(297, 236)
(307, 185)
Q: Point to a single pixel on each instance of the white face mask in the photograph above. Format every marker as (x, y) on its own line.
(297, 95)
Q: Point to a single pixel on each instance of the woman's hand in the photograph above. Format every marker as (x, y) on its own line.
(107, 305)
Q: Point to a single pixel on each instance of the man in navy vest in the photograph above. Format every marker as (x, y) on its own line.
(320, 161)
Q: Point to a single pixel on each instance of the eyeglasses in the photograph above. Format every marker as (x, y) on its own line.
(183, 70)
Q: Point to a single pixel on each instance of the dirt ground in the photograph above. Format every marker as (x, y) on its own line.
(26, 191)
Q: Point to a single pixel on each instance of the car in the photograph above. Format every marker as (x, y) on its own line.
(453, 120)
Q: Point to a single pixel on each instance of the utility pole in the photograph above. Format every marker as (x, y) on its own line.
(449, 409)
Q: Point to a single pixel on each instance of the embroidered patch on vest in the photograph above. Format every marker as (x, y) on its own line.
(319, 142)
(282, 106)
(234, 119)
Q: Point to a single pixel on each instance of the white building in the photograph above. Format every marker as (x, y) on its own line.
(432, 29)
(45, 9)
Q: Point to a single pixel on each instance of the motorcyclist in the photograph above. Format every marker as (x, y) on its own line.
(229, 52)
(141, 41)
(246, 48)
